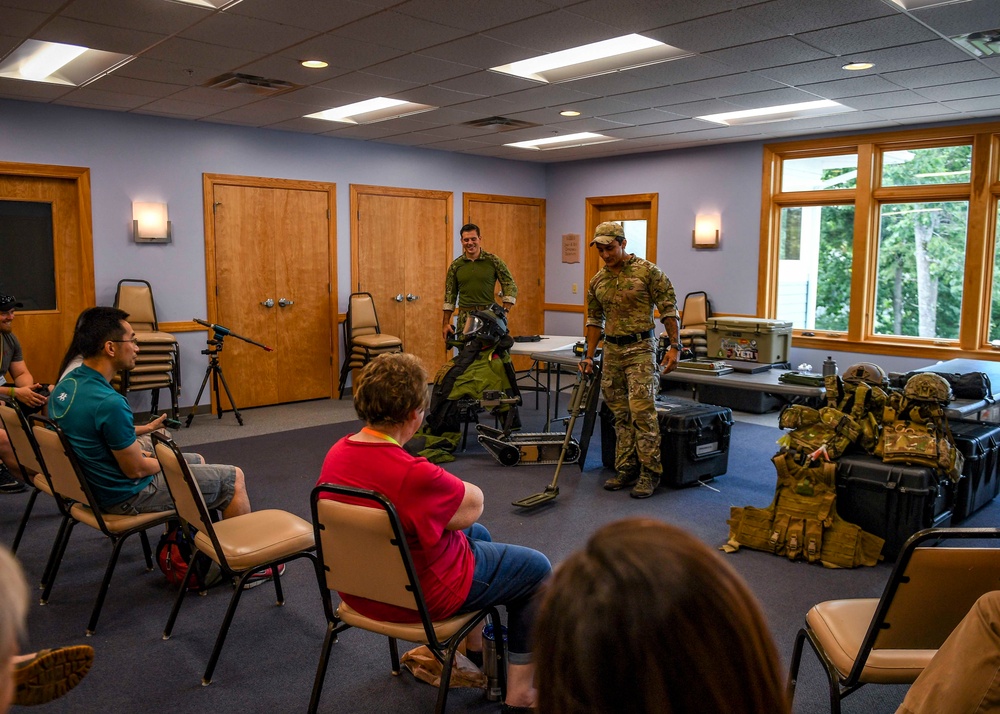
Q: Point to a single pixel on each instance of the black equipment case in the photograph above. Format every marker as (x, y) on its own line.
(892, 501)
(980, 482)
(743, 400)
(694, 440)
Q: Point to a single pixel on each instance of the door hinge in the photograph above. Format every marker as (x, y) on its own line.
(328, 214)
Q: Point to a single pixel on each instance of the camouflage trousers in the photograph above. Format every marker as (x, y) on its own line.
(629, 382)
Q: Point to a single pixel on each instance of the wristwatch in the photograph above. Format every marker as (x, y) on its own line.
(676, 346)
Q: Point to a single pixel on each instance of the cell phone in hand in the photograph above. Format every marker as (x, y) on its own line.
(171, 423)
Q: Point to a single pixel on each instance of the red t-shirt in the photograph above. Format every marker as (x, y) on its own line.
(426, 497)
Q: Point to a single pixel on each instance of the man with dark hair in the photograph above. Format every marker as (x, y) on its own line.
(471, 280)
(620, 302)
(98, 422)
(22, 387)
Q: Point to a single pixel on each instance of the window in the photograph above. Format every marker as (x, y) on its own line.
(27, 270)
(885, 243)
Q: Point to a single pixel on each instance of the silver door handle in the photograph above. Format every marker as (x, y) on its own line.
(411, 298)
(285, 303)
(399, 298)
(268, 303)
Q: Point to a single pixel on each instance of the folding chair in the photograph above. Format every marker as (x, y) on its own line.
(694, 323)
(363, 338)
(26, 453)
(362, 551)
(242, 546)
(70, 487)
(890, 640)
(158, 364)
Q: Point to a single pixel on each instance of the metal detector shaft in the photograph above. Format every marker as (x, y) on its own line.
(582, 388)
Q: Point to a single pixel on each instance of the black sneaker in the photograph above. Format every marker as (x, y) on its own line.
(9, 484)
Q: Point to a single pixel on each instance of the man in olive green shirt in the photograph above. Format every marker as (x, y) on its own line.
(620, 302)
(471, 280)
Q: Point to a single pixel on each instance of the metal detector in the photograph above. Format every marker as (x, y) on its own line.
(586, 384)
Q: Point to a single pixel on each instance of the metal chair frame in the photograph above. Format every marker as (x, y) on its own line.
(351, 359)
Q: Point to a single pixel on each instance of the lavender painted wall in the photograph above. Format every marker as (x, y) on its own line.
(142, 158)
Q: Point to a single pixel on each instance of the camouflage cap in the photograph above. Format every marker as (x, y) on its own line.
(607, 232)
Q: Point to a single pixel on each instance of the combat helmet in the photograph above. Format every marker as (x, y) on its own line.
(867, 373)
(488, 325)
(928, 387)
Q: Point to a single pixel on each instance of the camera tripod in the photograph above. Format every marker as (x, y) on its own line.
(214, 370)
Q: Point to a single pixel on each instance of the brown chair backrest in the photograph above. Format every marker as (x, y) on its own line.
(136, 298)
(21, 438)
(360, 553)
(363, 320)
(62, 468)
(939, 587)
(188, 499)
(695, 311)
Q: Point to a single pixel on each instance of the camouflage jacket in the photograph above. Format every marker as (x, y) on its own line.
(623, 304)
(471, 282)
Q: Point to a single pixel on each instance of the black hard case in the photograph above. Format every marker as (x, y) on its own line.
(694, 440)
(980, 482)
(892, 501)
(744, 400)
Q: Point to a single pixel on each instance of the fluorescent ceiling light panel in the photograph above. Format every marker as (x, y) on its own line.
(212, 4)
(783, 112)
(57, 63)
(585, 138)
(612, 55)
(371, 110)
(921, 4)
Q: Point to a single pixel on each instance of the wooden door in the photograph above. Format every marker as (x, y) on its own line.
(271, 281)
(513, 228)
(400, 246)
(45, 334)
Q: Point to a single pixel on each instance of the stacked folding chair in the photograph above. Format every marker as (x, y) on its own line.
(694, 323)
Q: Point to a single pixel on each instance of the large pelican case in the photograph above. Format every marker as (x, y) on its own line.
(980, 482)
(694, 440)
(892, 501)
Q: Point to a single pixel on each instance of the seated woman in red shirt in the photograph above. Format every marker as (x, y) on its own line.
(460, 568)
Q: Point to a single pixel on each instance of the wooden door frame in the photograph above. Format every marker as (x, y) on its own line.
(80, 176)
(209, 182)
(357, 190)
(597, 204)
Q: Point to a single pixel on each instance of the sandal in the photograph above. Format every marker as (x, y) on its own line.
(51, 673)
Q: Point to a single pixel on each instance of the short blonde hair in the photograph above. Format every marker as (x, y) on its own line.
(13, 601)
(389, 388)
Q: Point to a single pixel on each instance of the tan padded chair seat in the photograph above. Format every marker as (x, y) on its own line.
(841, 625)
(163, 338)
(409, 631)
(41, 483)
(257, 537)
(376, 341)
(693, 331)
(119, 524)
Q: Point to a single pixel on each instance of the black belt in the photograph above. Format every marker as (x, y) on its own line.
(622, 340)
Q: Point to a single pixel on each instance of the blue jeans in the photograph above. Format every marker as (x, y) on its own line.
(508, 575)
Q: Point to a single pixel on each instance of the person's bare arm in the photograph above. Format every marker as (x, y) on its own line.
(134, 463)
(24, 384)
(469, 510)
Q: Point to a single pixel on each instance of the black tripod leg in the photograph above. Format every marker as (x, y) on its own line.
(216, 369)
(197, 399)
(225, 386)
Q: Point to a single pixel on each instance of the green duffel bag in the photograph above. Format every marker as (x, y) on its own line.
(807, 379)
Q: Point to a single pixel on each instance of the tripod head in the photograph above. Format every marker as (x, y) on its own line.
(220, 333)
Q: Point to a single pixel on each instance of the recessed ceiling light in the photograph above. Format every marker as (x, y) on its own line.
(371, 110)
(314, 64)
(783, 112)
(612, 55)
(57, 63)
(858, 66)
(569, 113)
(584, 138)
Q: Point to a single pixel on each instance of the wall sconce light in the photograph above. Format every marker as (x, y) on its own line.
(706, 232)
(149, 223)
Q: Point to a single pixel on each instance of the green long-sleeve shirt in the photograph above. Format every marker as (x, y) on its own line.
(471, 282)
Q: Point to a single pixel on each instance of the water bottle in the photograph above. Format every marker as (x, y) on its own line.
(829, 367)
(490, 661)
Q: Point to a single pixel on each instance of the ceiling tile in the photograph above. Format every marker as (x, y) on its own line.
(852, 87)
(316, 15)
(771, 53)
(961, 18)
(435, 96)
(486, 15)
(642, 116)
(247, 33)
(773, 98)
(419, 69)
(478, 50)
(661, 96)
(487, 83)
(161, 18)
(32, 91)
(714, 32)
(686, 69)
(794, 16)
(883, 100)
(868, 35)
(21, 22)
(545, 96)
(261, 113)
(140, 87)
(979, 104)
(399, 31)
(553, 32)
(201, 54)
(733, 84)
(612, 83)
(962, 90)
(367, 85)
(97, 37)
(913, 111)
(640, 15)
(87, 96)
(344, 52)
(941, 74)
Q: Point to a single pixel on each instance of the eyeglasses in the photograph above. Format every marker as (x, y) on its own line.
(134, 341)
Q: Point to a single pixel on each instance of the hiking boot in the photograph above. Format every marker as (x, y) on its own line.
(645, 486)
(620, 480)
(9, 484)
(50, 674)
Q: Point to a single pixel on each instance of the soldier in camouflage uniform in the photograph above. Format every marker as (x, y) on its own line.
(471, 280)
(620, 301)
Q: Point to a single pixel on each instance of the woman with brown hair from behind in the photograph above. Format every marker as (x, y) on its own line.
(647, 618)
